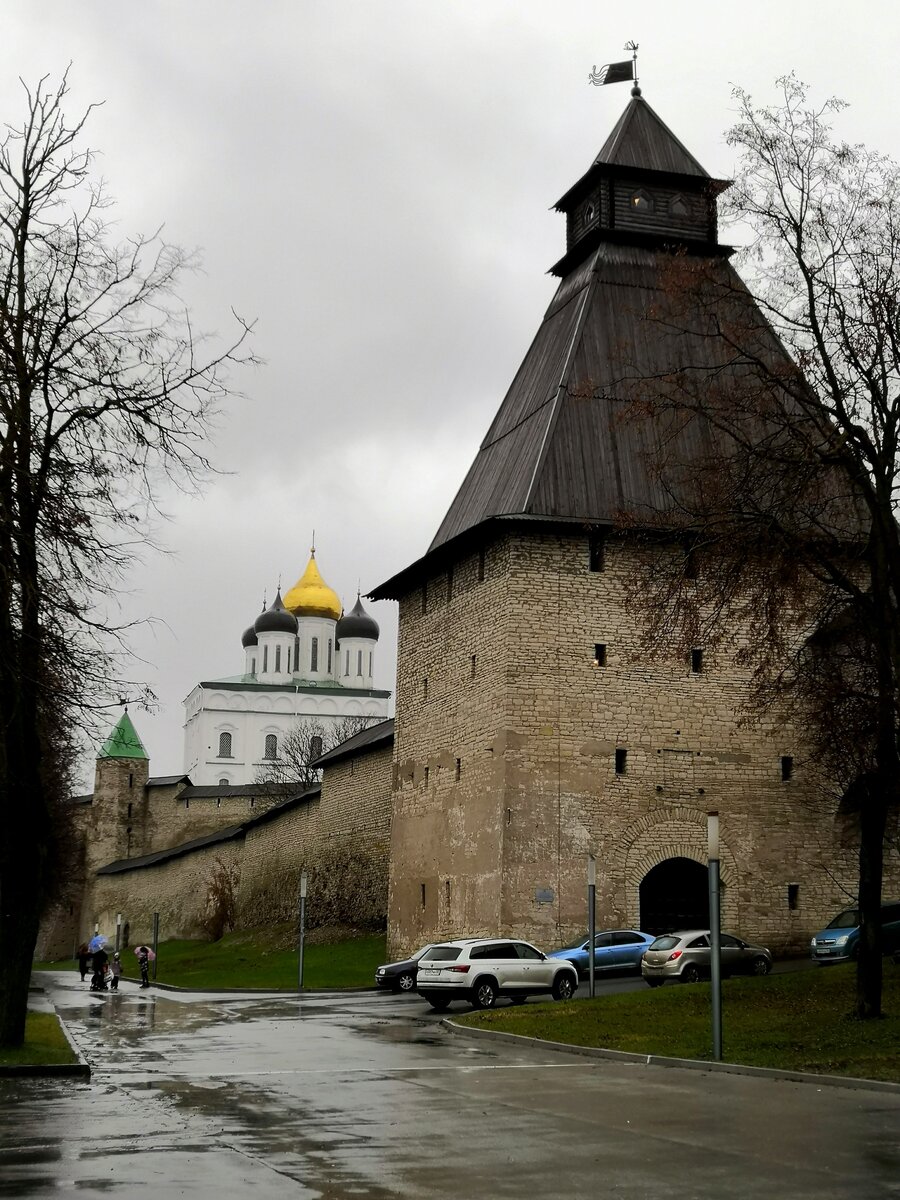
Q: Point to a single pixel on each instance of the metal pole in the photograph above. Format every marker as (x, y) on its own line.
(118, 932)
(302, 931)
(592, 923)
(715, 951)
(155, 943)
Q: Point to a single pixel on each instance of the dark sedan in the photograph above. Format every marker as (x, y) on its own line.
(401, 976)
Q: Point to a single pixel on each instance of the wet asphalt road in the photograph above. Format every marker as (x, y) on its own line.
(368, 1096)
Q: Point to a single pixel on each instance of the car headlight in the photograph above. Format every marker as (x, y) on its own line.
(842, 941)
(380, 971)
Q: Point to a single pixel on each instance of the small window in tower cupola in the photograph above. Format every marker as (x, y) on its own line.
(677, 207)
(641, 202)
(347, 662)
(277, 658)
(329, 656)
(314, 654)
(271, 746)
(359, 662)
(265, 659)
(370, 662)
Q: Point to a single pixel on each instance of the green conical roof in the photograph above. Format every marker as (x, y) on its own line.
(123, 742)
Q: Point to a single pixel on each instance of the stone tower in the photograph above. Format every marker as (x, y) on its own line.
(117, 815)
(531, 731)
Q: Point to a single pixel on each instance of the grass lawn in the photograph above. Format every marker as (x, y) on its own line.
(796, 1022)
(260, 959)
(45, 1044)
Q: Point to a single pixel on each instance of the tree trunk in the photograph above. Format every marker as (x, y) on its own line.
(869, 970)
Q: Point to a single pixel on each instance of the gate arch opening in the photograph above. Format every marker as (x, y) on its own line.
(675, 895)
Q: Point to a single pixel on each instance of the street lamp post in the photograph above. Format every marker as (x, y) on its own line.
(715, 945)
(592, 922)
(302, 931)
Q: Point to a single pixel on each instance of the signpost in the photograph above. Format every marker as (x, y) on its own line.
(155, 943)
(715, 945)
(118, 932)
(302, 930)
(592, 895)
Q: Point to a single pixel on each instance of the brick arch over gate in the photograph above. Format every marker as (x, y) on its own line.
(676, 832)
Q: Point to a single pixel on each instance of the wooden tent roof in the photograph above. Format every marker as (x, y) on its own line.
(559, 448)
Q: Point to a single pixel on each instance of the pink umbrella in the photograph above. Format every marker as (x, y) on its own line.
(144, 950)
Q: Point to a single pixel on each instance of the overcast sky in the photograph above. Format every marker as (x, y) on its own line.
(370, 181)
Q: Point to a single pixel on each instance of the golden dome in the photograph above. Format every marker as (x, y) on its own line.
(311, 596)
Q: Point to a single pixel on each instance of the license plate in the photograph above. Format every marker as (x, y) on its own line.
(429, 974)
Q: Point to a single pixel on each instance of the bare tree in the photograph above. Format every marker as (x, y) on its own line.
(103, 389)
(308, 740)
(787, 503)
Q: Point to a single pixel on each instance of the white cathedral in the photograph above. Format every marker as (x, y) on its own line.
(303, 657)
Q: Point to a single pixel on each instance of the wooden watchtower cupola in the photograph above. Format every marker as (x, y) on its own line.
(644, 187)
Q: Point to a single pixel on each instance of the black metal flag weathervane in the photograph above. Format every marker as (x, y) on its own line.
(618, 72)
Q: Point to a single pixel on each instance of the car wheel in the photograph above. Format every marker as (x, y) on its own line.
(564, 986)
(654, 982)
(406, 982)
(690, 974)
(438, 1003)
(760, 966)
(484, 994)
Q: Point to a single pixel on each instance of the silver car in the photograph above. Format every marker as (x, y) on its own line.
(685, 955)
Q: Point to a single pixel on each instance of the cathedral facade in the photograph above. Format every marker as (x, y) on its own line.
(303, 659)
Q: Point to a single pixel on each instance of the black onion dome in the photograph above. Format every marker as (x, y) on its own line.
(276, 619)
(357, 624)
(248, 638)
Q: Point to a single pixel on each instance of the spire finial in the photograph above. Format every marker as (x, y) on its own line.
(633, 47)
(265, 599)
(312, 548)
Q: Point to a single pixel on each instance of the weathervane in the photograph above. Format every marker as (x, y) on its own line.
(618, 72)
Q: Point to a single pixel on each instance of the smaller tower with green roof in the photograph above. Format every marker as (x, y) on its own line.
(119, 807)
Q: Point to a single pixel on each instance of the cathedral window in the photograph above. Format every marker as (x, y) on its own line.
(370, 662)
(271, 747)
(621, 760)
(224, 745)
(425, 688)
(458, 767)
(696, 661)
(265, 659)
(793, 896)
(472, 662)
(315, 747)
(297, 655)
(253, 665)
(359, 662)
(329, 656)
(787, 768)
(222, 783)
(277, 658)
(599, 654)
(347, 663)
(314, 654)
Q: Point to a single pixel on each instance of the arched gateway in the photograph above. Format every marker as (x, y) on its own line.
(675, 895)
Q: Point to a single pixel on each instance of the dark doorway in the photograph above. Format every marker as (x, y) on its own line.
(675, 895)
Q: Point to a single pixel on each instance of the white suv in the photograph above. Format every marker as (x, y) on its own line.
(481, 969)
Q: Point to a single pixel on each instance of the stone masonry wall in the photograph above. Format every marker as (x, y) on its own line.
(503, 849)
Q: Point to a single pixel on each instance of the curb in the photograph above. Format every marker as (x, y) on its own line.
(690, 1064)
(77, 1070)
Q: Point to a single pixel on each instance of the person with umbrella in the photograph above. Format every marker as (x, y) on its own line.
(144, 955)
(99, 961)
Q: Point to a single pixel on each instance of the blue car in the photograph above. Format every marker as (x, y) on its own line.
(614, 950)
(839, 940)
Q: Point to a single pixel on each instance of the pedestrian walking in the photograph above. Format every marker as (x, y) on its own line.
(115, 970)
(83, 957)
(143, 957)
(100, 966)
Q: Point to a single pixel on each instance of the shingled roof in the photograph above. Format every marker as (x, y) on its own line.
(558, 449)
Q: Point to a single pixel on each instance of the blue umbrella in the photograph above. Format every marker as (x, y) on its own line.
(97, 942)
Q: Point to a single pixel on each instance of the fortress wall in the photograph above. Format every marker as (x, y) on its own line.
(503, 850)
